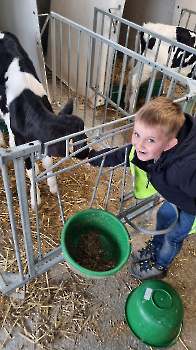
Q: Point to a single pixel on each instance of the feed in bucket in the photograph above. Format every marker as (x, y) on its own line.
(91, 254)
(113, 241)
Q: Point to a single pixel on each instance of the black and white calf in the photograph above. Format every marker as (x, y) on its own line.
(27, 111)
(179, 34)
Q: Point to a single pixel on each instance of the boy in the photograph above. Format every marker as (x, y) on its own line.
(164, 139)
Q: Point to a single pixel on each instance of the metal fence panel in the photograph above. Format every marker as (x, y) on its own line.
(100, 132)
(187, 19)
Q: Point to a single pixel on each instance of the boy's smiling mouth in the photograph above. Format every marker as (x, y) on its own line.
(142, 155)
(142, 152)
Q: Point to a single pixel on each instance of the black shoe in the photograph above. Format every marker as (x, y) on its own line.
(144, 253)
(147, 269)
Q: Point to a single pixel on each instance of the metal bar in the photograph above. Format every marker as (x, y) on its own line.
(87, 76)
(132, 70)
(61, 63)
(98, 71)
(108, 189)
(53, 36)
(24, 212)
(25, 150)
(138, 81)
(165, 75)
(121, 84)
(96, 185)
(110, 58)
(153, 75)
(169, 92)
(36, 206)
(186, 26)
(138, 209)
(123, 183)
(49, 256)
(69, 61)
(78, 69)
(60, 202)
(93, 46)
(112, 67)
(39, 271)
(12, 217)
(179, 69)
(45, 23)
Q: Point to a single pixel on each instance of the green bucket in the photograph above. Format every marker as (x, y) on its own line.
(144, 88)
(3, 126)
(113, 236)
(154, 313)
(115, 92)
(142, 91)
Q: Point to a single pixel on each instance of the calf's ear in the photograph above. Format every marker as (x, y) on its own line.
(68, 109)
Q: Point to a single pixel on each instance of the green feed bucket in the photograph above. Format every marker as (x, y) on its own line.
(142, 91)
(115, 92)
(154, 313)
(144, 88)
(3, 126)
(97, 226)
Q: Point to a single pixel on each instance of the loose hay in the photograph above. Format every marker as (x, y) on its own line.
(52, 311)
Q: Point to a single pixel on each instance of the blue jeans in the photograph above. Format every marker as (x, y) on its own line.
(168, 245)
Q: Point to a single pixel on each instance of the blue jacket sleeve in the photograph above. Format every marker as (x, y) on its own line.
(115, 156)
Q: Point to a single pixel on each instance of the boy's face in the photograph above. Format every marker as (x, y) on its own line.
(150, 142)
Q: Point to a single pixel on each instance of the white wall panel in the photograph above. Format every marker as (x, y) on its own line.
(81, 12)
(21, 18)
(190, 5)
(155, 11)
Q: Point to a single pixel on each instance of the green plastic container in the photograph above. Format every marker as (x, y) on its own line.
(113, 235)
(115, 92)
(144, 88)
(142, 91)
(3, 126)
(154, 313)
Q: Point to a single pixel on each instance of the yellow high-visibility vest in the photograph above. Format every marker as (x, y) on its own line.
(140, 180)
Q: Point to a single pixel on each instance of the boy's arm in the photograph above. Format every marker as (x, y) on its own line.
(116, 157)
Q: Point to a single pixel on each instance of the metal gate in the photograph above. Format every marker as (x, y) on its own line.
(187, 19)
(102, 129)
(116, 24)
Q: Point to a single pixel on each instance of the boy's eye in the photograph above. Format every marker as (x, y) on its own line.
(151, 140)
(136, 134)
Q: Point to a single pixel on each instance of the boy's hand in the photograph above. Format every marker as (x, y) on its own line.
(90, 149)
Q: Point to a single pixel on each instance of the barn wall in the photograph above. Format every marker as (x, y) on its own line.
(21, 18)
(190, 5)
(81, 12)
(157, 11)
(43, 7)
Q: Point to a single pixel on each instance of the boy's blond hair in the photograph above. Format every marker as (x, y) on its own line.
(162, 112)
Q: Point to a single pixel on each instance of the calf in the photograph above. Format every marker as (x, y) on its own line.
(179, 34)
(27, 111)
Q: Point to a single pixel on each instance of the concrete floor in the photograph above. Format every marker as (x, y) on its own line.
(111, 331)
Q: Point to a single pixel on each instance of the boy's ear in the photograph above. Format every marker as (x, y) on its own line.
(172, 143)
